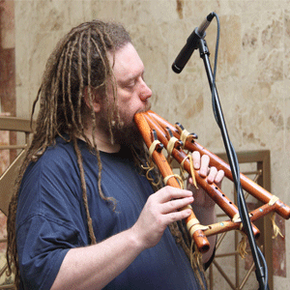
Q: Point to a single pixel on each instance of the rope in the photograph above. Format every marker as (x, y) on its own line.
(183, 136)
(276, 229)
(191, 223)
(273, 200)
(148, 169)
(197, 227)
(236, 218)
(153, 147)
(241, 248)
(196, 263)
(179, 179)
(170, 145)
(192, 172)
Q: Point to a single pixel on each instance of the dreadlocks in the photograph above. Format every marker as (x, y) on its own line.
(78, 63)
(79, 60)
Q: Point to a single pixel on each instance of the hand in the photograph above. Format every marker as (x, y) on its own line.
(201, 163)
(161, 209)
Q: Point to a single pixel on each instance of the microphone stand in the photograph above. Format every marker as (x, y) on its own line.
(260, 271)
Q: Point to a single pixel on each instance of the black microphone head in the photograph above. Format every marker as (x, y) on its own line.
(175, 68)
(210, 16)
(192, 43)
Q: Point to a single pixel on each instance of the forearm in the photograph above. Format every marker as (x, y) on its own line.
(204, 206)
(206, 216)
(95, 266)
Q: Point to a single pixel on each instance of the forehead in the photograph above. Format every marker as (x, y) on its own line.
(127, 63)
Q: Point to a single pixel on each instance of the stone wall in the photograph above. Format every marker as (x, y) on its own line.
(253, 74)
(7, 99)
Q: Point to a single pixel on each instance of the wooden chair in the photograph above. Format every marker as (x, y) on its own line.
(7, 178)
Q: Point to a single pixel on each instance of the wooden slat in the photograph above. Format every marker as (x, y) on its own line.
(7, 180)
(15, 124)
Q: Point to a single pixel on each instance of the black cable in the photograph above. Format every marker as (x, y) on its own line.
(262, 273)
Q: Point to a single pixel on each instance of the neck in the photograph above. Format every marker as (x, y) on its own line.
(102, 140)
(105, 145)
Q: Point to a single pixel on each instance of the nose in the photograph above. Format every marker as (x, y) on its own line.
(145, 92)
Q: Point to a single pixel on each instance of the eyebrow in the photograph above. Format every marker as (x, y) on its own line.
(131, 78)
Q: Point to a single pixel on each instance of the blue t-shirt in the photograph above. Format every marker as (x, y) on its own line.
(51, 219)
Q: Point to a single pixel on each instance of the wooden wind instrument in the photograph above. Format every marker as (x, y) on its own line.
(155, 131)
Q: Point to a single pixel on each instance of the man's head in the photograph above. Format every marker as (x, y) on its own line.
(79, 65)
(133, 96)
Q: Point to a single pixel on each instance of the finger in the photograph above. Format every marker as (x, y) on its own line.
(212, 175)
(180, 215)
(176, 204)
(177, 216)
(196, 159)
(204, 165)
(219, 177)
(168, 193)
(190, 181)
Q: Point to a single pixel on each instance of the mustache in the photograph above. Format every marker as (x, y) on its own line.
(146, 108)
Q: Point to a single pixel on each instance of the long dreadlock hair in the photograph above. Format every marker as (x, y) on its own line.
(79, 61)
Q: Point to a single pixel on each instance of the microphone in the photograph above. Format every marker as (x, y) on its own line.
(191, 44)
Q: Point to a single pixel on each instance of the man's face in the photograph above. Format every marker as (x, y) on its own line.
(133, 93)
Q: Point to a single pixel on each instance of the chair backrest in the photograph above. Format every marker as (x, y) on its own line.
(7, 179)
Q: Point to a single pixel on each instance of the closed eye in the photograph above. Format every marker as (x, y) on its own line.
(131, 83)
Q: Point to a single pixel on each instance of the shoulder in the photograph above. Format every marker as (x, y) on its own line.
(60, 156)
(52, 181)
(61, 151)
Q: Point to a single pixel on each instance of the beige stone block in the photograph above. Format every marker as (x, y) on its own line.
(7, 24)
(262, 40)
(107, 10)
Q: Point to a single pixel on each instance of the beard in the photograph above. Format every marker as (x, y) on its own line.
(127, 135)
(124, 130)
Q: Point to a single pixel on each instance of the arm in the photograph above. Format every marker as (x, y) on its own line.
(95, 266)
(203, 206)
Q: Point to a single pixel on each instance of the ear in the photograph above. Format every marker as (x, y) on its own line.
(96, 99)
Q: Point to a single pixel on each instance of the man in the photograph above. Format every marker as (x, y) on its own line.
(84, 215)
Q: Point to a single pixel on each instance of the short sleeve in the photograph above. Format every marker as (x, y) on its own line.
(50, 217)
(42, 246)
